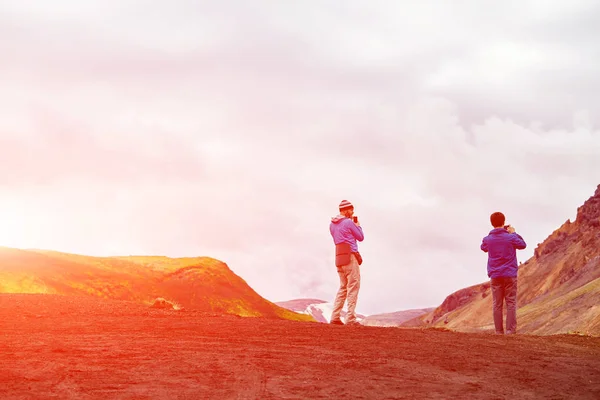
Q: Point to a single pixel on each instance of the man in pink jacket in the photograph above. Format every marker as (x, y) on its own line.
(345, 231)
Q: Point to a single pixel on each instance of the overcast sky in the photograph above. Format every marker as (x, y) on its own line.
(233, 129)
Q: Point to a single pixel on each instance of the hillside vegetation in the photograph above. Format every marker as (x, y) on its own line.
(201, 283)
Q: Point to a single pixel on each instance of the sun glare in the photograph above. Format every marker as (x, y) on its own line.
(14, 227)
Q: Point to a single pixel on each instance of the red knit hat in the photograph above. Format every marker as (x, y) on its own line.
(345, 204)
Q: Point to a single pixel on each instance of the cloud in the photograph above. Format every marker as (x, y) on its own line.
(234, 131)
(58, 147)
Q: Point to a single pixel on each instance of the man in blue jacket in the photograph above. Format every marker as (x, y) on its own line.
(345, 231)
(501, 245)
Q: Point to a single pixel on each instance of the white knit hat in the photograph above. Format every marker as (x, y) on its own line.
(345, 204)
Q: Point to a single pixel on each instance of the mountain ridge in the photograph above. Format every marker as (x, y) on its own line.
(200, 283)
(321, 310)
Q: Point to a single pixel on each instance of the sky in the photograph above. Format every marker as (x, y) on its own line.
(233, 130)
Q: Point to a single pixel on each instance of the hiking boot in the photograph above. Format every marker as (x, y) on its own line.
(336, 322)
(353, 323)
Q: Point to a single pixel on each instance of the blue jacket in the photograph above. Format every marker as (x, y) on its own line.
(501, 247)
(344, 230)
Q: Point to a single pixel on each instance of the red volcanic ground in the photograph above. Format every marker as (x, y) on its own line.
(86, 348)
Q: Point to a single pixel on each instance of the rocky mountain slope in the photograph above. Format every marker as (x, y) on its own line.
(202, 283)
(559, 287)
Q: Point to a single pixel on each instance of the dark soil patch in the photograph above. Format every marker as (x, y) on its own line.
(85, 348)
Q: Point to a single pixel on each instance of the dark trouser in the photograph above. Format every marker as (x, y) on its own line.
(505, 289)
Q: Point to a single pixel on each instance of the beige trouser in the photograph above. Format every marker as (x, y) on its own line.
(349, 286)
